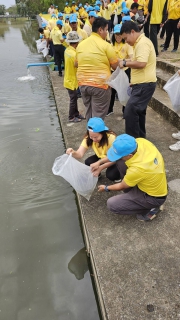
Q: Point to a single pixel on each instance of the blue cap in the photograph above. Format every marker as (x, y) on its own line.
(56, 6)
(85, 7)
(112, 1)
(41, 36)
(44, 25)
(123, 4)
(77, 9)
(126, 18)
(53, 16)
(93, 14)
(88, 9)
(66, 3)
(67, 17)
(98, 2)
(80, 5)
(60, 14)
(121, 147)
(117, 28)
(96, 8)
(125, 10)
(96, 125)
(73, 18)
(59, 22)
(73, 2)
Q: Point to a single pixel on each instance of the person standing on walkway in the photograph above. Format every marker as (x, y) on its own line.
(95, 57)
(73, 21)
(70, 79)
(157, 11)
(143, 78)
(173, 9)
(142, 171)
(57, 39)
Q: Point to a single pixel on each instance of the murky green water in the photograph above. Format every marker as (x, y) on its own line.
(43, 267)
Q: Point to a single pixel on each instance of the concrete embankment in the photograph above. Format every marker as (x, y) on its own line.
(136, 265)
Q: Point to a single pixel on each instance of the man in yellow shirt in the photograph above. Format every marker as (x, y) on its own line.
(142, 171)
(173, 9)
(95, 57)
(70, 79)
(107, 12)
(143, 78)
(67, 8)
(73, 21)
(57, 39)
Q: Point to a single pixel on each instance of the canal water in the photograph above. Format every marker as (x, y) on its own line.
(43, 267)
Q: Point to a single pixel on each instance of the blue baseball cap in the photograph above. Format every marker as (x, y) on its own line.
(41, 36)
(73, 2)
(96, 8)
(67, 17)
(53, 16)
(112, 1)
(98, 2)
(60, 14)
(93, 14)
(117, 28)
(66, 3)
(59, 22)
(126, 18)
(125, 10)
(80, 5)
(85, 7)
(73, 18)
(44, 25)
(96, 125)
(122, 146)
(123, 4)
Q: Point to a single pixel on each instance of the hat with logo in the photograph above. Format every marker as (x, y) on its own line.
(96, 125)
(59, 22)
(73, 37)
(92, 14)
(117, 28)
(73, 18)
(126, 18)
(122, 146)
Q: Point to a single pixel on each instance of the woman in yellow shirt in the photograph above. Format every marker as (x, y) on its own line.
(123, 51)
(100, 138)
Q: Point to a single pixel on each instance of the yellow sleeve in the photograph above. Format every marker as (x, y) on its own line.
(129, 50)
(132, 177)
(84, 144)
(111, 139)
(111, 55)
(142, 52)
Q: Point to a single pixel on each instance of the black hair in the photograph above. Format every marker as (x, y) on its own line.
(114, 40)
(41, 30)
(99, 23)
(104, 139)
(134, 5)
(128, 26)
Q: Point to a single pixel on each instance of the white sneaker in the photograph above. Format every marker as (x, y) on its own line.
(176, 135)
(175, 147)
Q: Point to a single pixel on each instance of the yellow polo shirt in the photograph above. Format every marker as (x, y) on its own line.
(129, 3)
(46, 33)
(107, 12)
(141, 4)
(146, 3)
(67, 10)
(144, 52)
(56, 36)
(157, 12)
(101, 152)
(70, 79)
(123, 50)
(119, 7)
(52, 23)
(67, 27)
(146, 170)
(173, 9)
(73, 9)
(95, 56)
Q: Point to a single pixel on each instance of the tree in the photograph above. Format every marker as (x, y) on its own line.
(2, 9)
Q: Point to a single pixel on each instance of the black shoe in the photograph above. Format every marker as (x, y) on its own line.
(163, 50)
(60, 74)
(162, 45)
(174, 50)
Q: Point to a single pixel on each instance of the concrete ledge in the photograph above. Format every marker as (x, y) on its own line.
(134, 264)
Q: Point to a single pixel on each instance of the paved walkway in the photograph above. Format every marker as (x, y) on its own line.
(136, 265)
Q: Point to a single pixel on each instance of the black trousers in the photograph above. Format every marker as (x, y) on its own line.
(171, 28)
(73, 106)
(146, 27)
(135, 110)
(154, 30)
(112, 173)
(59, 55)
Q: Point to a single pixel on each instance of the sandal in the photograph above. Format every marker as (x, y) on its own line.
(80, 116)
(75, 120)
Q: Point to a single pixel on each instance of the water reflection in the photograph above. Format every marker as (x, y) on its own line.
(78, 264)
(30, 35)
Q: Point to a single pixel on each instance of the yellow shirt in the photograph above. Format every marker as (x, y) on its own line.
(82, 33)
(73, 9)
(87, 27)
(70, 79)
(123, 50)
(56, 36)
(141, 4)
(173, 9)
(101, 152)
(67, 10)
(113, 7)
(144, 52)
(95, 56)
(107, 12)
(56, 11)
(52, 23)
(146, 170)
(46, 33)
(157, 12)
(146, 3)
(129, 3)
(119, 7)
(67, 27)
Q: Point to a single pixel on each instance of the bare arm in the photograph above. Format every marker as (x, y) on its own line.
(77, 154)
(133, 64)
(114, 187)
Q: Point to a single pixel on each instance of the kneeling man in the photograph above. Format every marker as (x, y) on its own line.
(144, 183)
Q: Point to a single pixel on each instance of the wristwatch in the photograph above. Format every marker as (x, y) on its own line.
(124, 63)
(106, 189)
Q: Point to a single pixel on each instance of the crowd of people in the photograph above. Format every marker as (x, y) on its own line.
(93, 41)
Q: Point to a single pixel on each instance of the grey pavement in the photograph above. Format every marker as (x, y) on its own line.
(136, 265)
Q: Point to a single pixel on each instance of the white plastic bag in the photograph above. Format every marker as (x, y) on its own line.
(45, 52)
(76, 173)
(120, 82)
(115, 19)
(172, 87)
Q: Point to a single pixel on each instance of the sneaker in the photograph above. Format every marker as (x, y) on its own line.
(176, 135)
(163, 50)
(162, 45)
(150, 215)
(175, 147)
(109, 113)
(174, 50)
